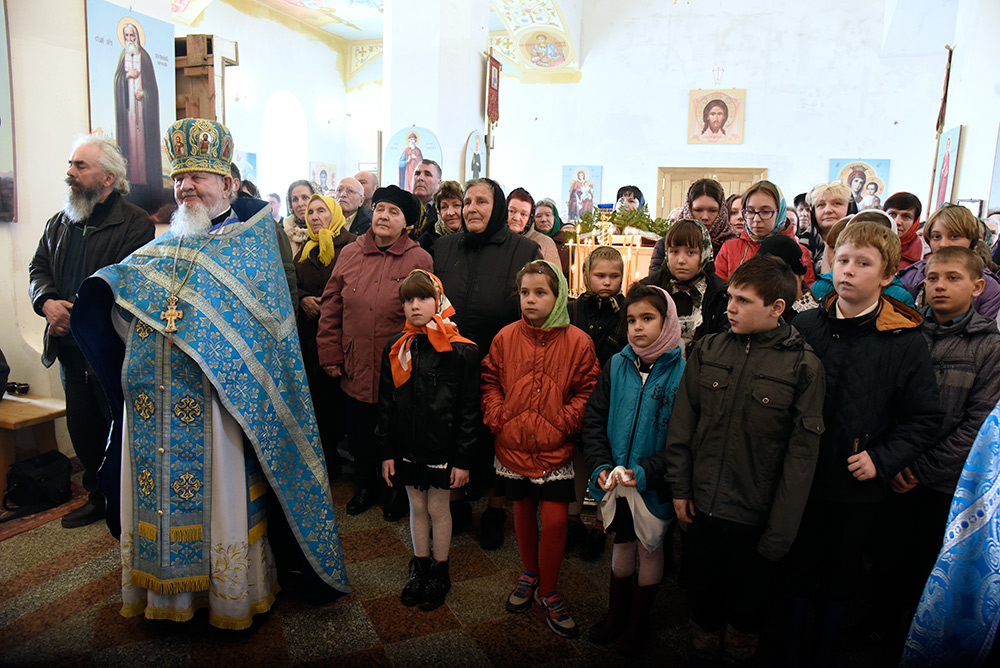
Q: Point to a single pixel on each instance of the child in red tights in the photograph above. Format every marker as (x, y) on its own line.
(536, 380)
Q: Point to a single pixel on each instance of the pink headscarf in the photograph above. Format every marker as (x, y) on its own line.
(670, 334)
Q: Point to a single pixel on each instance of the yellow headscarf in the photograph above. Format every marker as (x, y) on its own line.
(324, 238)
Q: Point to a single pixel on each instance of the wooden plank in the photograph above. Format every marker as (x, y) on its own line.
(25, 410)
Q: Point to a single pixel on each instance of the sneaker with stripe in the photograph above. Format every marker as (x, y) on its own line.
(520, 599)
(553, 610)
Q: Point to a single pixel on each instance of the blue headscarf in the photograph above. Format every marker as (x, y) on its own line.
(780, 218)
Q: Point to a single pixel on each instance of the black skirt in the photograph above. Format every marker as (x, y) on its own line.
(623, 526)
(515, 489)
(421, 476)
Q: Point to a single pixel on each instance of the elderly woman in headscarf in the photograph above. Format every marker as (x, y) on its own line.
(764, 215)
(359, 313)
(689, 277)
(521, 219)
(294, 224)
(313, 265)
(547, 223)
(706, 203)
(448, 204)
(477, 267)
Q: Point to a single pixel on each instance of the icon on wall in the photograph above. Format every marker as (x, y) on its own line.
(716, 116)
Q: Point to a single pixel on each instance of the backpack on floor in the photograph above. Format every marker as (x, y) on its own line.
(37, 484)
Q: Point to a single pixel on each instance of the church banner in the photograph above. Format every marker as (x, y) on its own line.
(8, 199)
(130, 62)
(493, 89)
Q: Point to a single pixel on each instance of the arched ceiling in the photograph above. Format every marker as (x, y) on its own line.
(532, 37)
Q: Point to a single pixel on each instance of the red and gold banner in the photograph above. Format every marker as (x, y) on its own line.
(493, 90)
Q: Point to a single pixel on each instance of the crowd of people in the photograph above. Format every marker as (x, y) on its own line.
(791, 394)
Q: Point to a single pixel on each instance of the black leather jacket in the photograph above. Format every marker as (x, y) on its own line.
(433, 418)
(125, 229)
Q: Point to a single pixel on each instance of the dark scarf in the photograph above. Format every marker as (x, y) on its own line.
(498, 221)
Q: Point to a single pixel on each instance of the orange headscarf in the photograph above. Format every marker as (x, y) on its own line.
(440, 331)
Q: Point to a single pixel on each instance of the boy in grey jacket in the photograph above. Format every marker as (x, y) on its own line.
(741, 453)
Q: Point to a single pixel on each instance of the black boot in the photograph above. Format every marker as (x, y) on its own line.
(396, 505)
(437, 587)
(608, 629)
(461, 515)
(363, 499)
(413, 591)
(633, 639)
(88, 513)
(491, 528)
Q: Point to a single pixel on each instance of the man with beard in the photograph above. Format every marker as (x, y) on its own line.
(195, 337)
(137, 111)
(96, 227)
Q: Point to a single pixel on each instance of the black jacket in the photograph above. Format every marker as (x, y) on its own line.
(125, 229)
(362, 221)
(745, 432)
(966, 359)
(480, 281)
(602, 321)
(881, 395)
(433, 418)
(713, 302)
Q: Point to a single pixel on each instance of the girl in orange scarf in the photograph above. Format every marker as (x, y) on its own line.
(428, 420)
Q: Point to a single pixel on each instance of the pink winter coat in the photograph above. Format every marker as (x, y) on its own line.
(737, 251)
(360, 310)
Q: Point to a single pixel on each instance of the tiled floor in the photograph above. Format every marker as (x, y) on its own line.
(60, 601)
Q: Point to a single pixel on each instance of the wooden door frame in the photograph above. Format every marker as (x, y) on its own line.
(668, 196)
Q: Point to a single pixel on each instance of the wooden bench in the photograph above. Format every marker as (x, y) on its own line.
(23, 411)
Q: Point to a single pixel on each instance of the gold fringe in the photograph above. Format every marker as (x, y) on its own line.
(147, 530)
(240, 623)
(185, 533)
(258, 490)
(258, 531)
(177, 586)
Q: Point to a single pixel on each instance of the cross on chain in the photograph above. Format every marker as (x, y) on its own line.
(171, 315)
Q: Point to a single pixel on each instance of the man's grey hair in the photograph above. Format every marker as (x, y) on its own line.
(112, 159)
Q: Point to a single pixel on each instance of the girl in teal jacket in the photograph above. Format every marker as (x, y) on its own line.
(625, 424)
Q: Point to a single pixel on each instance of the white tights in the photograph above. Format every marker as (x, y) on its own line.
(623, 558)
(430, 508)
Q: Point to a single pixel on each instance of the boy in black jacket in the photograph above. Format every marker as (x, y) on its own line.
(427, 424)
(597, 312)
(882, 410)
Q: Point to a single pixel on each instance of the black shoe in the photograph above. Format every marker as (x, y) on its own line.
(413, 591)
(461, 515)
(437, 587)
(88, 513)
(576, 533)
(396, 505)
(364, 498)
(593, 545)
(491, 528)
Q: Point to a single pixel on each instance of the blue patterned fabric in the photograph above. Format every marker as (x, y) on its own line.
(956, 621)
(238, 332)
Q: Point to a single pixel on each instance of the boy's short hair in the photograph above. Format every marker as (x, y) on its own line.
(418, 285)
(685, 232)
(603, 253)
(539, 267)
(967, 257)
(874, 235)
(956, 219)
(902, 201)
(769, 277)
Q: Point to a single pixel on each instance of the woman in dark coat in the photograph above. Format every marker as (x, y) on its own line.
(313, 265)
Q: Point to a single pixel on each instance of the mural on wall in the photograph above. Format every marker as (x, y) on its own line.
(475, 156)
(944, 174)
(324, 174)
(582, 185)
(8, 194)
(130, 60)
(716, 116)
(868, 180)
(993, 203)
(247, 164)
(543, 48)
(405, 150)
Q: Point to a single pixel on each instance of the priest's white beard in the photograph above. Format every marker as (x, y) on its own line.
(79, 205)
(131, 48)
(190, 220)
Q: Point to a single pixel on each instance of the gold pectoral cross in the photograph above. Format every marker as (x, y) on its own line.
(171, 315)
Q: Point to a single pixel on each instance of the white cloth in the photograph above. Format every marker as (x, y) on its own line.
(244, 579)
(649, 528)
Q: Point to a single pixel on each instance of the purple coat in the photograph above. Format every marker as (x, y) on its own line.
(987, 304)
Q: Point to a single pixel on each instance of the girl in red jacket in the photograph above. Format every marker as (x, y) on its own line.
(536, 380)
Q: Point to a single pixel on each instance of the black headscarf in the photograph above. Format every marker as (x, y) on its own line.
(498, 218)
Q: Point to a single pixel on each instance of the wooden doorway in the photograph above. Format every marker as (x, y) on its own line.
(672, 183)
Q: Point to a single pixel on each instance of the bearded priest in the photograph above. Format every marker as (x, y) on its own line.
(194, 339)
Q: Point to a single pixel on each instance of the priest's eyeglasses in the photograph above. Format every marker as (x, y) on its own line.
(764, 214)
